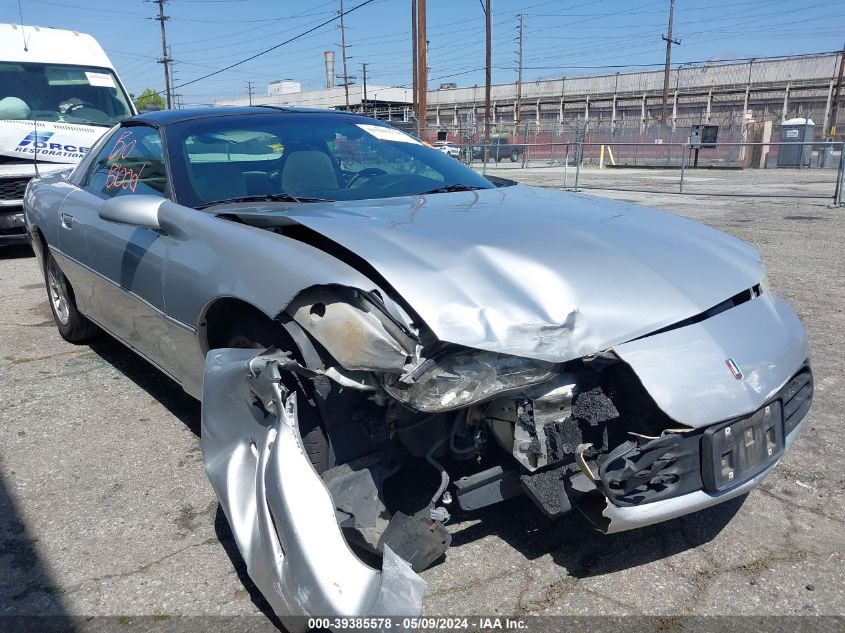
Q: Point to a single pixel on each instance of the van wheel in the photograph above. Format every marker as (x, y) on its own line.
(514, 156)
(72, 325)
(256, 334)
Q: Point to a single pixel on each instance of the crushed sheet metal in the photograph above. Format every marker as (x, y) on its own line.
(486, 277)
(684, 369)
(281, 514)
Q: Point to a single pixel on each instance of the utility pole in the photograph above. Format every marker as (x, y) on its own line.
(487, 77)
(414, 52)
(518, 105)
(669, 42)
(165, 57)
(343, 53)
(249, 90)
(835, 107)
(422, 67)
(364, 73)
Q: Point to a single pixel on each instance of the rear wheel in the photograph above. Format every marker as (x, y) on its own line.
(514, 156)
(72, 325)
(254, 333)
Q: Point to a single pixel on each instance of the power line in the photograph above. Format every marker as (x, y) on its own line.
(713, 62)
(272, 48)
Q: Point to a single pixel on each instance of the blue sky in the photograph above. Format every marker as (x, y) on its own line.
(562, 37)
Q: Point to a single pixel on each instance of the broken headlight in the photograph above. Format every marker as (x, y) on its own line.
(462, 378)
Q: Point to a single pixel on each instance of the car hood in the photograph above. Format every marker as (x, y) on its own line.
(533, 272)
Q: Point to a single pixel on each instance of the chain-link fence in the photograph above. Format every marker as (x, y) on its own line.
(806, 169)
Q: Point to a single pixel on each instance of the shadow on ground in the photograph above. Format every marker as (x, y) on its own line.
(30, 599)
(583, 551)
(150, 379)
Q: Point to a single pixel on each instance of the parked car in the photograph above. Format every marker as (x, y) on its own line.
(343, 322)
(449, 148)
(498, 149)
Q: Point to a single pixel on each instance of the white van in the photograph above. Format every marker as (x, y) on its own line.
(59, 93)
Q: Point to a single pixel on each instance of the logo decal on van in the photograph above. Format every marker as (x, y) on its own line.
(32, 138)
(40, 142)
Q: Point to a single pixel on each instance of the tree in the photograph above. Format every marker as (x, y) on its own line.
(149, 97)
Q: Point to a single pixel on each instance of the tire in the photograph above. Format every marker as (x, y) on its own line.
(253, 333)
(72, 325)
(514, 156)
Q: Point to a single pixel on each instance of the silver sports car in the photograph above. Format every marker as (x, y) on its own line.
(352, 306)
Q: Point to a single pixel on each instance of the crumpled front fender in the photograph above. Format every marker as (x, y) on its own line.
(281, 514)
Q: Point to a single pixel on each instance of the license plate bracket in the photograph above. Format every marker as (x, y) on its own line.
(735, 451)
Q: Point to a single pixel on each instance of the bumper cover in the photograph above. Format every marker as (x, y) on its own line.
(12, 224)
(281, 513)
(620, 519)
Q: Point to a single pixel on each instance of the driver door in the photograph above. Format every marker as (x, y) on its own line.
(117, 266)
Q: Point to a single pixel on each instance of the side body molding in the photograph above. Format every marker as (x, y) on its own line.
(281, 514)
(686, 370)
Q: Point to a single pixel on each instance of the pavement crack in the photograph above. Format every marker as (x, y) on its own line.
(141, 569)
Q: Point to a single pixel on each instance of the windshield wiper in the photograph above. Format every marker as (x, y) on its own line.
(266, 197)
(450, 189)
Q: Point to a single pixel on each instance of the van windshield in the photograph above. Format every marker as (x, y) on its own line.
(54, 92)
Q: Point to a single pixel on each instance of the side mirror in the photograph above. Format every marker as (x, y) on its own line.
(133, 210)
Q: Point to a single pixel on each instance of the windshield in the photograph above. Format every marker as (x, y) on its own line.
(307, 156)
(53, 92)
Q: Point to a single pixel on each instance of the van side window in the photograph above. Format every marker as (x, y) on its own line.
(131, 163)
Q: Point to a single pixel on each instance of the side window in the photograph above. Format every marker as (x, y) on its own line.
(131, 163)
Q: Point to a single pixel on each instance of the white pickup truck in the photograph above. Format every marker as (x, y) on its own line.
(59, 93)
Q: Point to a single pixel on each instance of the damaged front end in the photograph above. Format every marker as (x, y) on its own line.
(607, 434)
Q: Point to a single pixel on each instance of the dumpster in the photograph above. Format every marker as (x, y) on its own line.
(794, 132)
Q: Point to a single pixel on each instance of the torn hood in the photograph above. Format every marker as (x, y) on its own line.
(532, 272)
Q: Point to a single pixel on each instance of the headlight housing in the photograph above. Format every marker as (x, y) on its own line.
(462, 378)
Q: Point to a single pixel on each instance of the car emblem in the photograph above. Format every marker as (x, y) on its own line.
(735, 370)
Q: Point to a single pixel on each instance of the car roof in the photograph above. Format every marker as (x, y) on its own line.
(169, 117)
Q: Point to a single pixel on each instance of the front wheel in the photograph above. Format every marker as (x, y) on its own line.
(72, 325)
(514, 156)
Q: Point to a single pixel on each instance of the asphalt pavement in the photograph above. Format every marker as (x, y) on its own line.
(105, 509)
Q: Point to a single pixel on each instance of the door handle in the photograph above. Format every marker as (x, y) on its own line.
(67, 220)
